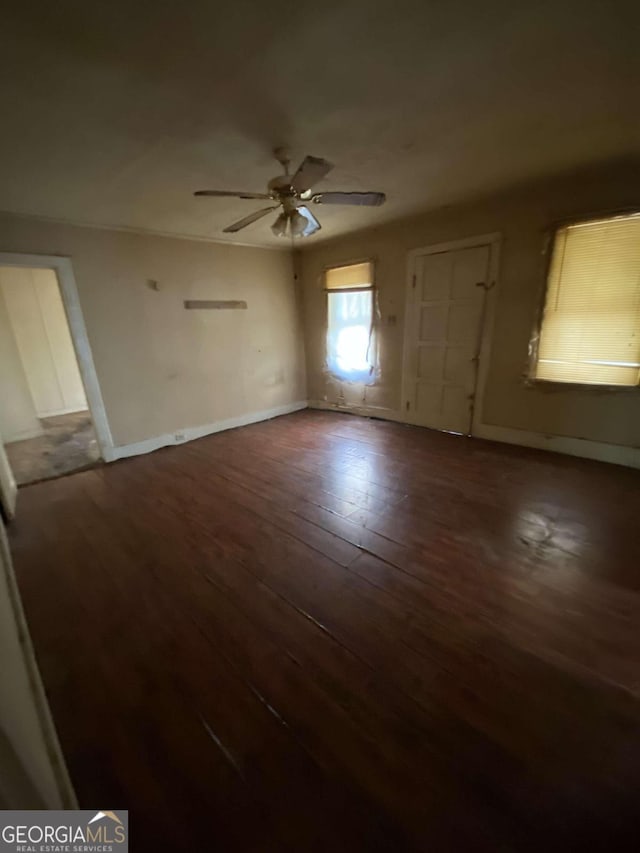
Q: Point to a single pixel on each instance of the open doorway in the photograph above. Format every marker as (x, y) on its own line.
(45, 420)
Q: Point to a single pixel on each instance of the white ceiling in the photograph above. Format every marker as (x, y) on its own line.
(114, 112)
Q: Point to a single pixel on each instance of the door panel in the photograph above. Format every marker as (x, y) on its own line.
(8, 487)
(433, 322)
(444, 319)
(462, 326)
(455, 365)
(435, 277)
(431, 362)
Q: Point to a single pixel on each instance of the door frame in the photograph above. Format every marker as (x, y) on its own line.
(63, 269)
(28, 726)
(8, 486)
(494, 242)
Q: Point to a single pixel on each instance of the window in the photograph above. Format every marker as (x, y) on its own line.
(590, 329)
(350, 321)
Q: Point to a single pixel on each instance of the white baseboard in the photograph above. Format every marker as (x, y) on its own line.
(24, 435)
(613, 453)
(616, 454)
(57, 412)
(365, 411)
(190, 433)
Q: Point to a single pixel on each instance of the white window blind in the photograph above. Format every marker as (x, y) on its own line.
(350, 277)
(591, 323)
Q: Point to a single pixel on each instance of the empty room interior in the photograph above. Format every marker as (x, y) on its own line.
(320, 425)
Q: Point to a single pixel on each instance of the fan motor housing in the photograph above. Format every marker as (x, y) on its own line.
(281, 185)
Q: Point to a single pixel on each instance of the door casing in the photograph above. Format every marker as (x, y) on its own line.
(63, 269)
(8, 487)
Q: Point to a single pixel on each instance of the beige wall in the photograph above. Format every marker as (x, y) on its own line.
(18, 417)
(34, 305)
(160, 367)
(522, 218)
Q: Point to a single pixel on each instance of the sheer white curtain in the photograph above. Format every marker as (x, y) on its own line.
(350, 335)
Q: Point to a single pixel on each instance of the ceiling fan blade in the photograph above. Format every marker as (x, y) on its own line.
(310, 171)
(368, 199)
(253, 217)
(225, 194)
(313, 225)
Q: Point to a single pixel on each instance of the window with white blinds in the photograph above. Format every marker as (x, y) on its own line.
(350, 333)
(591, 323)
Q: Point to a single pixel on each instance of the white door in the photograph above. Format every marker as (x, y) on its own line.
(8, 488)
(32, 769)
(444, 327)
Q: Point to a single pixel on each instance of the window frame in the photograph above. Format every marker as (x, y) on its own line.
(373, 262)
(549, 240)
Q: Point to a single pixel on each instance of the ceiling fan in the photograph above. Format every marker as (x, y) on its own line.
(291, 192)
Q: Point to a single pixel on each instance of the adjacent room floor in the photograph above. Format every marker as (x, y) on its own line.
(68, 444)
(325, 633)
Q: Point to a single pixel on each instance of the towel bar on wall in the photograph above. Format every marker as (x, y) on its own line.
(215, 303)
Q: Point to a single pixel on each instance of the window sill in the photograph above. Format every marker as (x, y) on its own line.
(555, 385)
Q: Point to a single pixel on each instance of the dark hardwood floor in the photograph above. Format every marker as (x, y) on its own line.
(324, 633)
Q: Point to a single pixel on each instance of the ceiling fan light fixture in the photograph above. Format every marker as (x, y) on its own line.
(312, 223)
(299, 224)
(293, 193)
(279, 227)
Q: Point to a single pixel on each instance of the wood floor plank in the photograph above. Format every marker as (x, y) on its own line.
(397, 554)
(325, 632)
